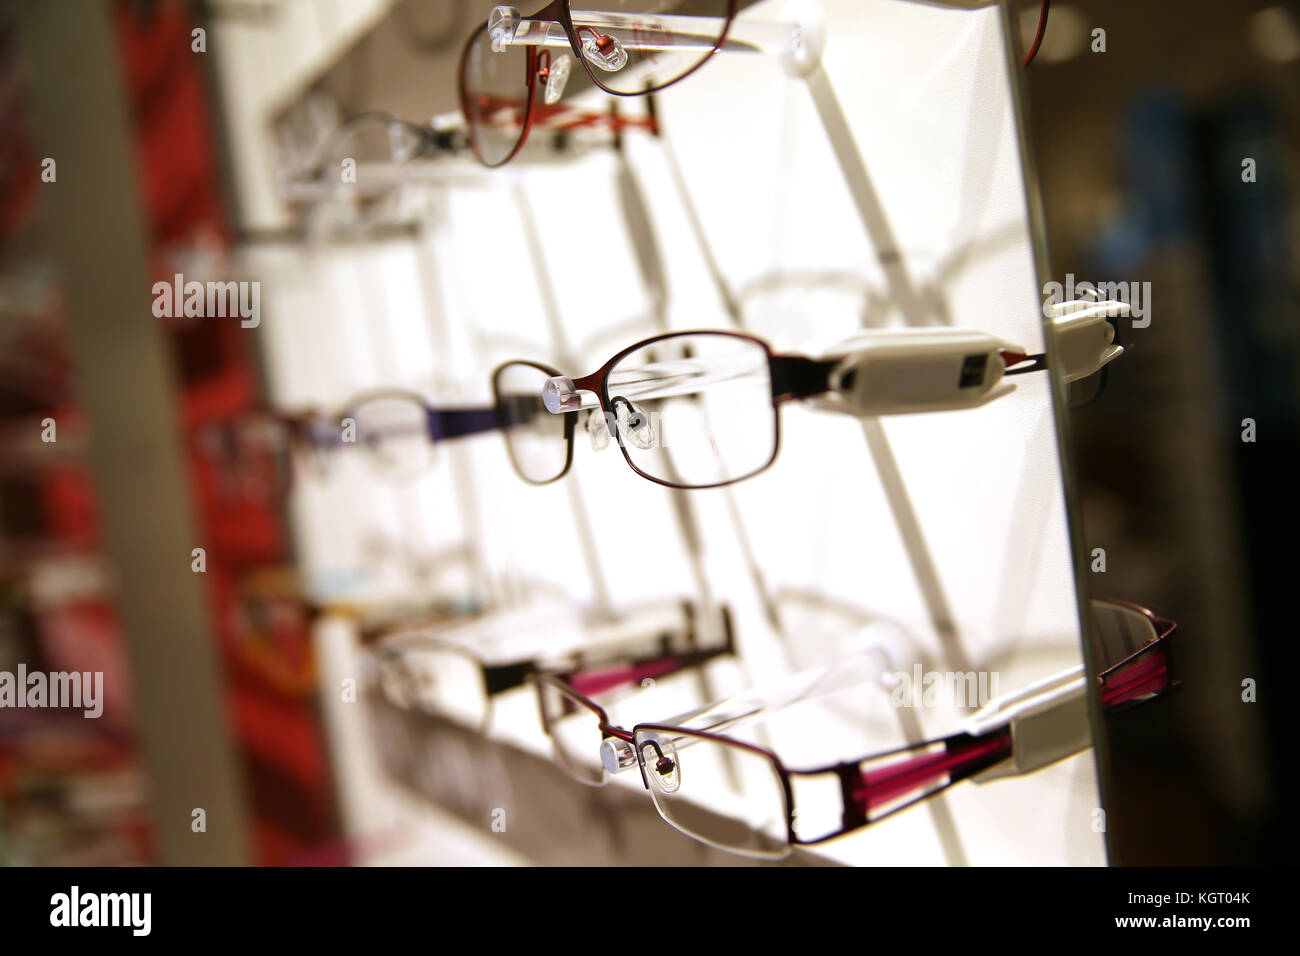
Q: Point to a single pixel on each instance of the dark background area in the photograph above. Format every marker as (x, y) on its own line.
(1139, 152)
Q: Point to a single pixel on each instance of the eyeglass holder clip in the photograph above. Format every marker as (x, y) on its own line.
(1048, 721)
(1083, 341)
(807, 37)
(903, 371)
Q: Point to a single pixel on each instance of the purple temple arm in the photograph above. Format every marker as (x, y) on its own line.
(447, 423)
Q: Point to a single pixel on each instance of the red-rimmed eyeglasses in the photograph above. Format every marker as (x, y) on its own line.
(626, 47)
(701, 409)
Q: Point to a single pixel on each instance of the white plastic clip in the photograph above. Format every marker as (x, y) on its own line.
(1048, 721)
(901, 371)
(1083, 340)
(807, 37)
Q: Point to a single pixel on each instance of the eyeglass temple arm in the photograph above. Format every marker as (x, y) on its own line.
(598, 677)
(1021, 732)
(797, 376)
(871, 795)
(606, 679)
(1029, 728)
(447, 423)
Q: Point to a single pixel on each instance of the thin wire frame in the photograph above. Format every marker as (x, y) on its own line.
(960, 757)
(504, 421)
(598, 382)
(558, 11)
(791, 377)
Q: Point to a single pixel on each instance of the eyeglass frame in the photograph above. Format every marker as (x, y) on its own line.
(499, 677)
(986, 750)
(792, 377)
(558, 11)
(300, 442)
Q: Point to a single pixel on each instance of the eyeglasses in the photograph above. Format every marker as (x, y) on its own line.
(378, 137)
(459, 678)
(351, 179)
(253, 457)
(700, 409)
(738, 796)
(399, 430)
(620, 44)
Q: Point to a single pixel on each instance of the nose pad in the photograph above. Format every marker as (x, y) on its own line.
(634, 424)
(597, 430)
(557, 76)
(661, 764)
(605, 52)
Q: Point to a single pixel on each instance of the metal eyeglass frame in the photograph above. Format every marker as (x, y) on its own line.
(869, 794)
(793, 377)
(599, 670)
(537, 33)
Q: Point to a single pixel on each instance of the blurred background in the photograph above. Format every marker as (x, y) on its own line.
(1161, 150)
(1170, 159)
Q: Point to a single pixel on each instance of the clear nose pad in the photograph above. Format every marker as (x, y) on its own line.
(605, 52)
(661, 764)
(597, 430)
(634, 424)
(557, 76)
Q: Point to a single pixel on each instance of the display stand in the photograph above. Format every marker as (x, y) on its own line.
(802, 59)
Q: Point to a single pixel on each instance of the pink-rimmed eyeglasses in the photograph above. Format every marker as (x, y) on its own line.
(458, 677)
(740, 797)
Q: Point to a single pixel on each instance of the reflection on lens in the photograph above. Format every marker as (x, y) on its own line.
(1119, 632)
(634, 46)
(495, 87)
(537, 440)
(575, 732)
(718, 792)
(695, 410)
(394, 432)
